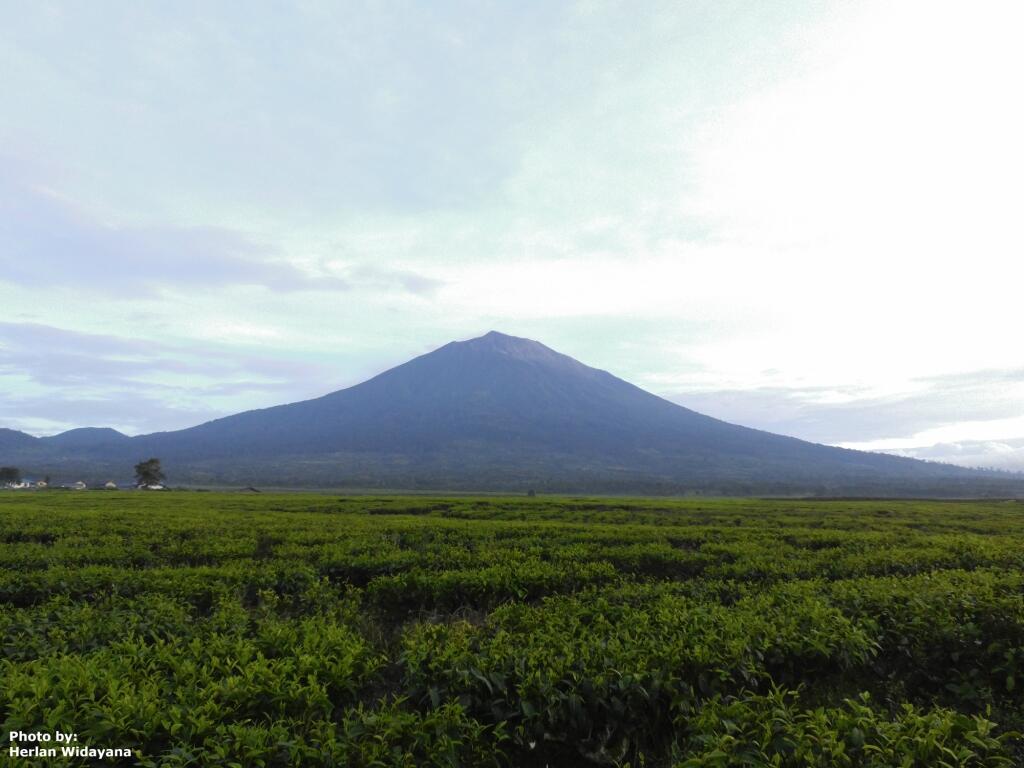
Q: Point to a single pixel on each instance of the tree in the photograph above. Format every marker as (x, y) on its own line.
(149, 472)
(10, 475)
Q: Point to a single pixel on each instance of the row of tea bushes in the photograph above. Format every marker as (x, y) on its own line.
(293, 630)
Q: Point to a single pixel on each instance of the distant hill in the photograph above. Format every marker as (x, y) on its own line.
(498, 413)
(85, 437)
(12, 441)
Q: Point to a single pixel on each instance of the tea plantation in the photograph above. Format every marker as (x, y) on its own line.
(208, 629)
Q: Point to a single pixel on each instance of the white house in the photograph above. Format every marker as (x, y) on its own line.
(79, 486)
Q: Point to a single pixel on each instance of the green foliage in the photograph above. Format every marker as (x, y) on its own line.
(293, 630)
(149, 472)
(773, 730)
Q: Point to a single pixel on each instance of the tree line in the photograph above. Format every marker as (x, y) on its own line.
(147, 473)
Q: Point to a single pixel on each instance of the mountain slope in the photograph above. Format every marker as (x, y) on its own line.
(11, 440)
(500, 412)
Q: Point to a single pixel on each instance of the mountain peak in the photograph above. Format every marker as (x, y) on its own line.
(495, 342)
(498, 339)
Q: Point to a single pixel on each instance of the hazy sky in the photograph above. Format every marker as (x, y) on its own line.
(799, 216)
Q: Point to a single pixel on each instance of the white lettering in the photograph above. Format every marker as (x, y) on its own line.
(28, 736)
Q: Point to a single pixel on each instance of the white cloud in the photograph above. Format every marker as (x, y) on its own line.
(1005, 455)
(957, 432)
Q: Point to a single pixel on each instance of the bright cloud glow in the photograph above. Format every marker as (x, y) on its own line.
(972, 431)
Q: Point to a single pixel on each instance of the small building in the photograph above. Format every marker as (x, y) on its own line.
(155, 487)
(110, 485)
(79, 486)
(42, 484)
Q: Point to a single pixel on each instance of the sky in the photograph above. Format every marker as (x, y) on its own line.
(798, 216)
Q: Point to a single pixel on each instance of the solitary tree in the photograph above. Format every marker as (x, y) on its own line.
(149, 472)
(10, 475)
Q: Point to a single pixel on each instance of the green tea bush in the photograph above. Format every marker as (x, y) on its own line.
(302, 630)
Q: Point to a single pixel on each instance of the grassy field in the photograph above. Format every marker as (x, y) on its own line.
(208, 629)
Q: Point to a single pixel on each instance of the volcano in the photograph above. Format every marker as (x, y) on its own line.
(498, 413)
